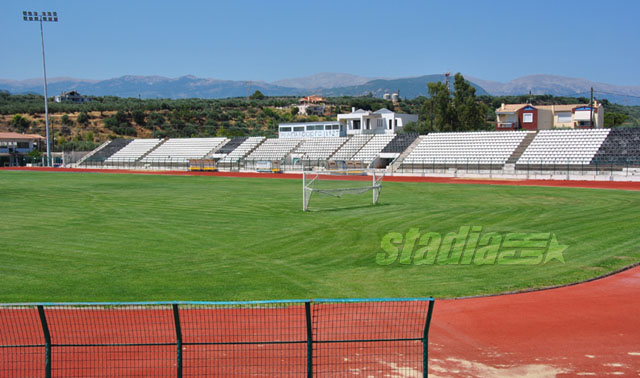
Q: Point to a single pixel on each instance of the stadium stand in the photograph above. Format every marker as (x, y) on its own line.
(105, 152)
(274, 149)
(372, 149)
(319, 148)
(242, 150)
(588, 150)
(484, 147)
(231, 145)
(622, 147)
(134, 150)
(400, 143)
(183, 149)
(576, 147)
(351, 147)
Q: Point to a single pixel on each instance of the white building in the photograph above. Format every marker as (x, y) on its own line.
(71, 96)
(383, 121)
(311, 130)
(15, 146)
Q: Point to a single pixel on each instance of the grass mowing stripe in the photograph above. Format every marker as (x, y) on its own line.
(79, 237)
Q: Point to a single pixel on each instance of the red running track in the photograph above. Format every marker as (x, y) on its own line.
(261, 340)
(590, 329)
(619, 185)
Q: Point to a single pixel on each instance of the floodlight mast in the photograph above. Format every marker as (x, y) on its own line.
(47, 16)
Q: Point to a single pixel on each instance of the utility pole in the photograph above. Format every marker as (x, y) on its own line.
(431, 116)
(591, 108)
(46, 17)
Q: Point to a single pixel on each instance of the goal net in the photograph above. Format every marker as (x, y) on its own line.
(337, 183)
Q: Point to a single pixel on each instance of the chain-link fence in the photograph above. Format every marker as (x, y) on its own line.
(324, 337)
(623, 166)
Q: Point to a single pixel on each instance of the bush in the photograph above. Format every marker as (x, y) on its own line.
(138, 117)
(83, 118)
(66, 120)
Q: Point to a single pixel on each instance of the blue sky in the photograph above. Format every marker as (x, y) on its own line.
(271, 40)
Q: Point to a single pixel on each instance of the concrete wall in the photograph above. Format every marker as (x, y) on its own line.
(545, 119)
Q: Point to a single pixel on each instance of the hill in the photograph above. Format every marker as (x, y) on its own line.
(326, 84)
(408, 87)
(323, 80)
(561, 86)
(149, 87)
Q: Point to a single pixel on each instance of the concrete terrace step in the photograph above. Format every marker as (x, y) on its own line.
(398, 162)
(521, 148)
(90, 154)
(153, 149)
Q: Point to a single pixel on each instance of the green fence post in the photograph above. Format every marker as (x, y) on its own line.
(307, 310)
(176, 319)
(611, 169)
(425, 340)
(47, 342)
(627, 167)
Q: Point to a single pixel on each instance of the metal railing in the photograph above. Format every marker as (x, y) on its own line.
(553, 167)
(321, 337)
(623, 166)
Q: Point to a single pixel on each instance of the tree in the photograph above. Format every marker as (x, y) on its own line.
(257, 95)
(294, 110)
(438, 107)
(138, 117)
(468, 112)
(20, 123)
(614, 119)
(156, 119)
(462, 112)
(416, 127)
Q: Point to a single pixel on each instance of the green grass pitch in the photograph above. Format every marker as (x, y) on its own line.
(123, 237)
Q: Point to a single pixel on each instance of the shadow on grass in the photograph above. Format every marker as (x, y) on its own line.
(344, 208)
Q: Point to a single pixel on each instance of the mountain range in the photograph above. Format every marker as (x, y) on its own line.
(325, 84)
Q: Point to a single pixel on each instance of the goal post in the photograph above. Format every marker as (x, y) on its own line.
(336, 183)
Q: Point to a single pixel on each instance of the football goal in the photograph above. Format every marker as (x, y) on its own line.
(337, 183)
